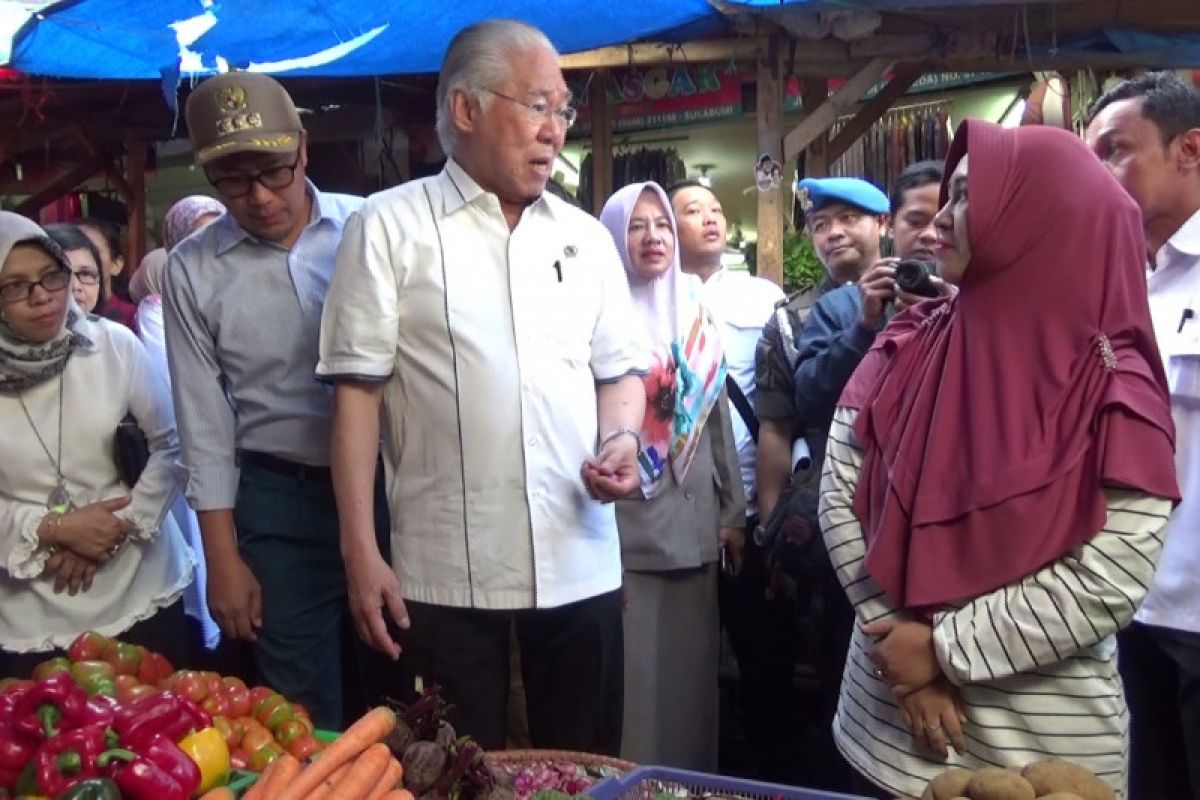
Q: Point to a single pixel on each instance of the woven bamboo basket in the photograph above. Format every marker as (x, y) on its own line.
(500, 757)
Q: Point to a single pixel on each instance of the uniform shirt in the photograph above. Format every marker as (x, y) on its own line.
(1034, 661)
(100, 385)
(243, 318)
(741, 304)
(778, 354)
(491, 344)
(1174, 600)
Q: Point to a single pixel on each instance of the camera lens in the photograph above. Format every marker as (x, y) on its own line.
(913, 276)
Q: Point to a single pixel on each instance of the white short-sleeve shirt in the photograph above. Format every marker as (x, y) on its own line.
(1174, 599)
(491, 344)
(742, 304)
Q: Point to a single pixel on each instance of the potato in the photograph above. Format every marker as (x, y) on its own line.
(950, 784)
(1055, 775)
(999, 784)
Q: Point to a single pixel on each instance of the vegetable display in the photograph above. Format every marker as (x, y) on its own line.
(114, 721)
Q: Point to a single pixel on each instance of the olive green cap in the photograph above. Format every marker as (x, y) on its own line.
(241, 112)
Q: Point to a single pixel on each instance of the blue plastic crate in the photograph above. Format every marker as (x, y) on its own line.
(646, 783)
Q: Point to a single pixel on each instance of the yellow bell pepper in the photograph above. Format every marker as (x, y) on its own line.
(208, 749)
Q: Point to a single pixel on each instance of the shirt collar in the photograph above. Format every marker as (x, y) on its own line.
(460, 189)
(1185, 241)
(230, 233)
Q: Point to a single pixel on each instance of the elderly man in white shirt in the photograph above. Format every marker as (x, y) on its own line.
(1147, 131)
(492, 323)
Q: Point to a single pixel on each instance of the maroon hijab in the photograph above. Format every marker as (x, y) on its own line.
(991, 423)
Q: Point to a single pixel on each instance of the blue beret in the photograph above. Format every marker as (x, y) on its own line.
(816, 193)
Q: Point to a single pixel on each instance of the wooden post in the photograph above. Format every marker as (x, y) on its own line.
(770, 143)
(814, 93)
(135, 161)
(602, 140)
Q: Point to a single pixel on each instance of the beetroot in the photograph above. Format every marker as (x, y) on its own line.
(423, 765)
(401, 737)
(446, 735)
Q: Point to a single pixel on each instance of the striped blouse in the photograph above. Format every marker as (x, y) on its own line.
(1035, 661)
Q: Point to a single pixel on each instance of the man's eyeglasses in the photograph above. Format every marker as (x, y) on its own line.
(16, 291)
(88, 277)
(540, 110)
(273, 179)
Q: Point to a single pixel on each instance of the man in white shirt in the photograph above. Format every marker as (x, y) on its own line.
(741, 304)
(1147, 131)
(492, 324)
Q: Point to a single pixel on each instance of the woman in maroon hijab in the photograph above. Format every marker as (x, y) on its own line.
(1000, 470)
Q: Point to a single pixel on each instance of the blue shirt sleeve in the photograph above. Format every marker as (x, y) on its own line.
(832, 343)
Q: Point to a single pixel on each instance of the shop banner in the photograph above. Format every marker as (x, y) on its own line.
(930, 82)
(663, 97)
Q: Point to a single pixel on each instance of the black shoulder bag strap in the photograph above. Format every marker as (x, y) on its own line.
(742, 405)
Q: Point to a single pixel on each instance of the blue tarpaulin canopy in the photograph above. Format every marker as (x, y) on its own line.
(152, 38)
(162, 39)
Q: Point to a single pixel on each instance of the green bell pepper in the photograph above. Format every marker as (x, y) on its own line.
(92, 789)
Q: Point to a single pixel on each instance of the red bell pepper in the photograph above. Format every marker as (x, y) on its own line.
(15, 753)
(9, 697)
(166, 713)
(52, 705)
(68, 758)
(161, 771)
(99, 709)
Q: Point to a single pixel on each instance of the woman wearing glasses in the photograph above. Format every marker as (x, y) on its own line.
(87, 284)
(79, 549)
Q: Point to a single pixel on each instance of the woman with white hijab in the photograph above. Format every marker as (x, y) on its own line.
(79, 548)
(690, 504)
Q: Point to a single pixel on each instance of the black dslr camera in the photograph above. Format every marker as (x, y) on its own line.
(915, 277)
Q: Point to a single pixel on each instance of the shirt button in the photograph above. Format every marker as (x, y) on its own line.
(533, 441)
(687, 495)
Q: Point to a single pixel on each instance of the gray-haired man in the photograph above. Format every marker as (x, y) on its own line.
(492, 322)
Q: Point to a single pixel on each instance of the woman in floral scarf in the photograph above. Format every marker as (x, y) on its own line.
(690, 503)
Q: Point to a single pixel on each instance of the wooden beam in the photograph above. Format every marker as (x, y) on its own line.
(95, 151)
(769, 255)
(842, 101)
(905, 76)
(135, 165)
(602, 140)
(642, 53)
(814, 93)
(69, 180)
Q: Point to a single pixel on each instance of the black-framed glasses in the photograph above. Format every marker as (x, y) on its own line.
(540, 110)
(88, 277)
(273, 179)
(16, 291)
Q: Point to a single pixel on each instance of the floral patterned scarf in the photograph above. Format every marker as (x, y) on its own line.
(688, 366)
(23, 364)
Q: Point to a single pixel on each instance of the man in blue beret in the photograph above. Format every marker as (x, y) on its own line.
(847, 218)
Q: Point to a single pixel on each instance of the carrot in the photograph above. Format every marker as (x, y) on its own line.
(368, 769)
(390, 779)
(219, 793)
(369, 729)
(326, 788)
(258, 790)
(398, 794)
(287, 767)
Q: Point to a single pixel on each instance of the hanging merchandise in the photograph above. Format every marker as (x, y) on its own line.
(663, 166)
(901, 137)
